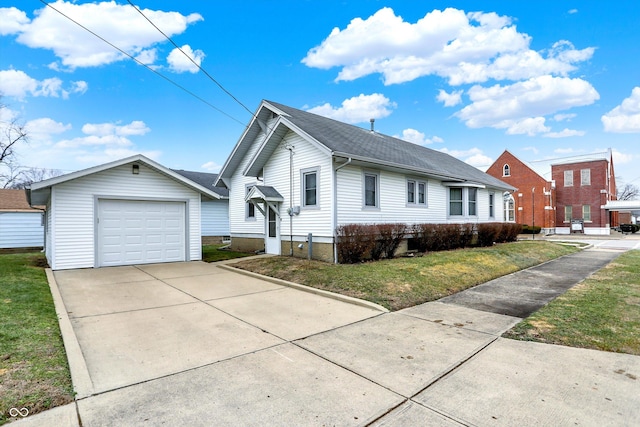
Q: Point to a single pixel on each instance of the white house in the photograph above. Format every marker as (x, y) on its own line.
(21, 226)
(215, 213)
(294, 173)
(130, 211)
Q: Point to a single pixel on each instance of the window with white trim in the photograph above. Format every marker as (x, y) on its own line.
(568, 178)
(371, 189)
(492, 198)
(250, 209)
(506, 170)
(416, 192)
(585, 177)
(463, 201)
(310, 179)
(586, 212)
(568, 213)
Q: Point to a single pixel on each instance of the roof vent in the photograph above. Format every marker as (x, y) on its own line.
(372, 122)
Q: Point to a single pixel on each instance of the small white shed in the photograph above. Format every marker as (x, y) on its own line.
(21, 226)
(127, 212)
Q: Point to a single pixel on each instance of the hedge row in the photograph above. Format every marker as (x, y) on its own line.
(360, 242)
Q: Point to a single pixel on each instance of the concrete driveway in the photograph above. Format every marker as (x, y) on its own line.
(195, 344)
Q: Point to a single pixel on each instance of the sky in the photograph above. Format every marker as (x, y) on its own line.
(179, 81)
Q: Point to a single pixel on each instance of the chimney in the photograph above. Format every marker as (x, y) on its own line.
(372, 121)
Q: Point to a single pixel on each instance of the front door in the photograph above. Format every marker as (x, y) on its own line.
(272, 232)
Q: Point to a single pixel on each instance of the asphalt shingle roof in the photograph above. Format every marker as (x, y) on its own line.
(204, 179)
(349, 140)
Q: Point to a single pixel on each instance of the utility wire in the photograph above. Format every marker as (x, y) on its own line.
(190, 58)
(145, 65)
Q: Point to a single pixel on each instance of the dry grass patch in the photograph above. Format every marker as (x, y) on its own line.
(404, 282)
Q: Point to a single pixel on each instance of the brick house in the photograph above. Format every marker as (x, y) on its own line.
(533, 203)
(561, 195)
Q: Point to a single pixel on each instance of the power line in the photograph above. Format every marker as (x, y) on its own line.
(145, 65)
(190, 58)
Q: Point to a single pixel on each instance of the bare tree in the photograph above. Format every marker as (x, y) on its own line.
(26, 176)
(628, 192)
(11, 134)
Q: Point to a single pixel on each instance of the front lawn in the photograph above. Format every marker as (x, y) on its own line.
(405, 282)
(601, 313)
(33, 364)
(214, 253)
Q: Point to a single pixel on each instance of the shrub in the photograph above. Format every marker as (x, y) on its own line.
(509, 232)
(354, 243)
(389, 237)
(488, 233)
(526, 229)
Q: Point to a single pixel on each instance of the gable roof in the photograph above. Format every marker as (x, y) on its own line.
(207, 180)
(505, 153)
(348, 141)
(14, 201)
(38, 192)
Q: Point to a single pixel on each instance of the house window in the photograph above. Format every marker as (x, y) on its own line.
(472, 197)
(568, 178)
(411, 191)
(568, 213)
(310, 188)
(416, 192)
(455, 201)
(506, 170)
(491, 205)
(371, 189)
(509, 207)
(585, 177)
(250, 209)
(422, 193)
(586, 212)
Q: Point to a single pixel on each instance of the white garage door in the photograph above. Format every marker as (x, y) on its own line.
(140, 232)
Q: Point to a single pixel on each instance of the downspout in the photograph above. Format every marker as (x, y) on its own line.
(290, 148)
(335, 206)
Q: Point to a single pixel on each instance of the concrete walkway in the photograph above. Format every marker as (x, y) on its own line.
(193, 344)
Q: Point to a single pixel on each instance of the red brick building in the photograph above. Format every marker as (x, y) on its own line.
(570, 200)
(534, 200)
(583, 189)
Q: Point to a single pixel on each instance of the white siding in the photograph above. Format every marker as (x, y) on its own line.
(393, 200)
(215, 217)
(315, 220)
(73, 204)
(21, 229)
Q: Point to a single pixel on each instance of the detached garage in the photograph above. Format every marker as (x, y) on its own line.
(131, 211)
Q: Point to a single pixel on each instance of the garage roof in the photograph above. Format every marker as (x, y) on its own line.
(38, 193)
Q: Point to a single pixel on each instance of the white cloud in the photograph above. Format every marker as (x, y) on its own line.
(109, 135)
(520, 107)
(474, 156)
(625, 118)
(180, 63)
(120, 23)
(147, 56)
(565, 133)
(42, 130)
(12, 20)
(450, 99)
(573, 11)
(417, 137)
(620, 158)
(463, 48)
(211, 167)
(564, 150)
(18, 84)
(357, 109)
(534, 150)
(563, 117)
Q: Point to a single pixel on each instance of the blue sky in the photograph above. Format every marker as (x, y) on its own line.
(544, 79)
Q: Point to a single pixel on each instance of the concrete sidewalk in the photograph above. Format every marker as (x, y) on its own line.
(297, 360)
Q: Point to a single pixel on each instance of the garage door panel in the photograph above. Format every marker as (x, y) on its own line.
(139, 232)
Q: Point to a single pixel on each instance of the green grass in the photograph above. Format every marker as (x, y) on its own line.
(602, 312)
(33, 365)
(405, 282)
(213, 253)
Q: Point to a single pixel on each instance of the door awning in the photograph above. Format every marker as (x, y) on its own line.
(259, 194)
